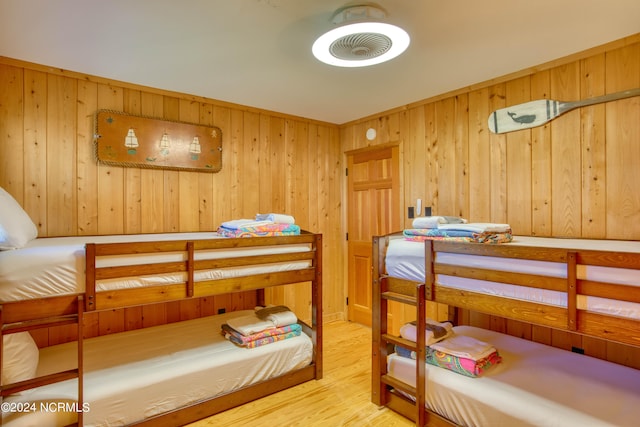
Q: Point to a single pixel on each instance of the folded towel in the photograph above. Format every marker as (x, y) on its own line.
(435, 331)
(460, 365)
(435, 221)
(455, 220)
(477, 227)
(279, 315)
(437, 232)
(263, 312)
(250, 324)
(262, 230)
(261, 338)
(277, 218)
(428, 221)
(422, 234)
(243, 223)
(465, 347)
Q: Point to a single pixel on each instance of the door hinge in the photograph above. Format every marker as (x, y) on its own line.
(346, 236)
(347, 300)
(346, 171)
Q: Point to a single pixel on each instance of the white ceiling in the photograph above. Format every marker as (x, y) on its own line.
(258, 52)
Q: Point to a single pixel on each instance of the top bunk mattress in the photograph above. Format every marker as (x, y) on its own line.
(534, 385)
(55, 266)
(405, 260)
(137, 374)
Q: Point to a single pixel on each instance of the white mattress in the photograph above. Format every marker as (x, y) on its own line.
(56, 266)
(535, 385)
(141, 373)
(405, 259)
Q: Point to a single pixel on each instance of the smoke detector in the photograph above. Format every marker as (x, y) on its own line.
(360, 38)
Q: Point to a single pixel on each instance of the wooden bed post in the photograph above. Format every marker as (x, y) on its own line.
(90, 276)
(1, 351)
(190, 268)
(572, 303)
(421, 303)
(80, 408)
(379, 325)
(429, 277)
(316, 307)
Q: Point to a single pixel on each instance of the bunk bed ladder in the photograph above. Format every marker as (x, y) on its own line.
(382, 340)
(418, 391)
(12, 327)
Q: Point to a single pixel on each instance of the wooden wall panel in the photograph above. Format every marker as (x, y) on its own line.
(132, 176)
(518, 154)
(540, 164)
(622, 144)
(416, 158)
(12, 132)
(35, 145)
(592, 74)
(496, 190)
(573, 177)
(151, 180)
(479, 154)
(566, 170)
(86, 167)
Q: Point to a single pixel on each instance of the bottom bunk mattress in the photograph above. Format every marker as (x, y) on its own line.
(137, 374)
(534, 385)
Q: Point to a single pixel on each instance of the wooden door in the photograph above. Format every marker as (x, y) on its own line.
(373, 208)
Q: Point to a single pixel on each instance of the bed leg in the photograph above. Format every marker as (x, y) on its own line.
(80, 408)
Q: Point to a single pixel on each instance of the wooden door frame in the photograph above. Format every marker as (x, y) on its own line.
(345, 205)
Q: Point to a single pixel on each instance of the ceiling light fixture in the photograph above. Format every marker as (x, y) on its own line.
(360, 38)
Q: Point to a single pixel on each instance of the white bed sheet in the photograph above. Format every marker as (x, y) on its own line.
(56, 266)
(405, 259)
(137, 374)
(535, 385)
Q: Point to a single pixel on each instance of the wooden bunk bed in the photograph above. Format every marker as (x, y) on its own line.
(143, 270)
(588, 287)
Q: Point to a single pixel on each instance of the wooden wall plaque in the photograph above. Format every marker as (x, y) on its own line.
(134, 141)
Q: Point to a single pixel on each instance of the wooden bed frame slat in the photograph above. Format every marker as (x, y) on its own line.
(39, 381)
(140, 270)
(609, 290)
(530, 312)
(609, 259)
(522, 279)
(247, 283)
(503, 251)
(609, 327)
(22, 311)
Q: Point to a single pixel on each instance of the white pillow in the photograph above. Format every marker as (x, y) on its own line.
(20, 357)
(16, 227)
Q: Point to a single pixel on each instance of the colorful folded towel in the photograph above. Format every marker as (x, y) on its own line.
(460, 365)
(261, 338)
(456, 235)
(261, 230)
(237, 224)
(477, 227)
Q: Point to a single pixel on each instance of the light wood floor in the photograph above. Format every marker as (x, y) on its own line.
(341, 398)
